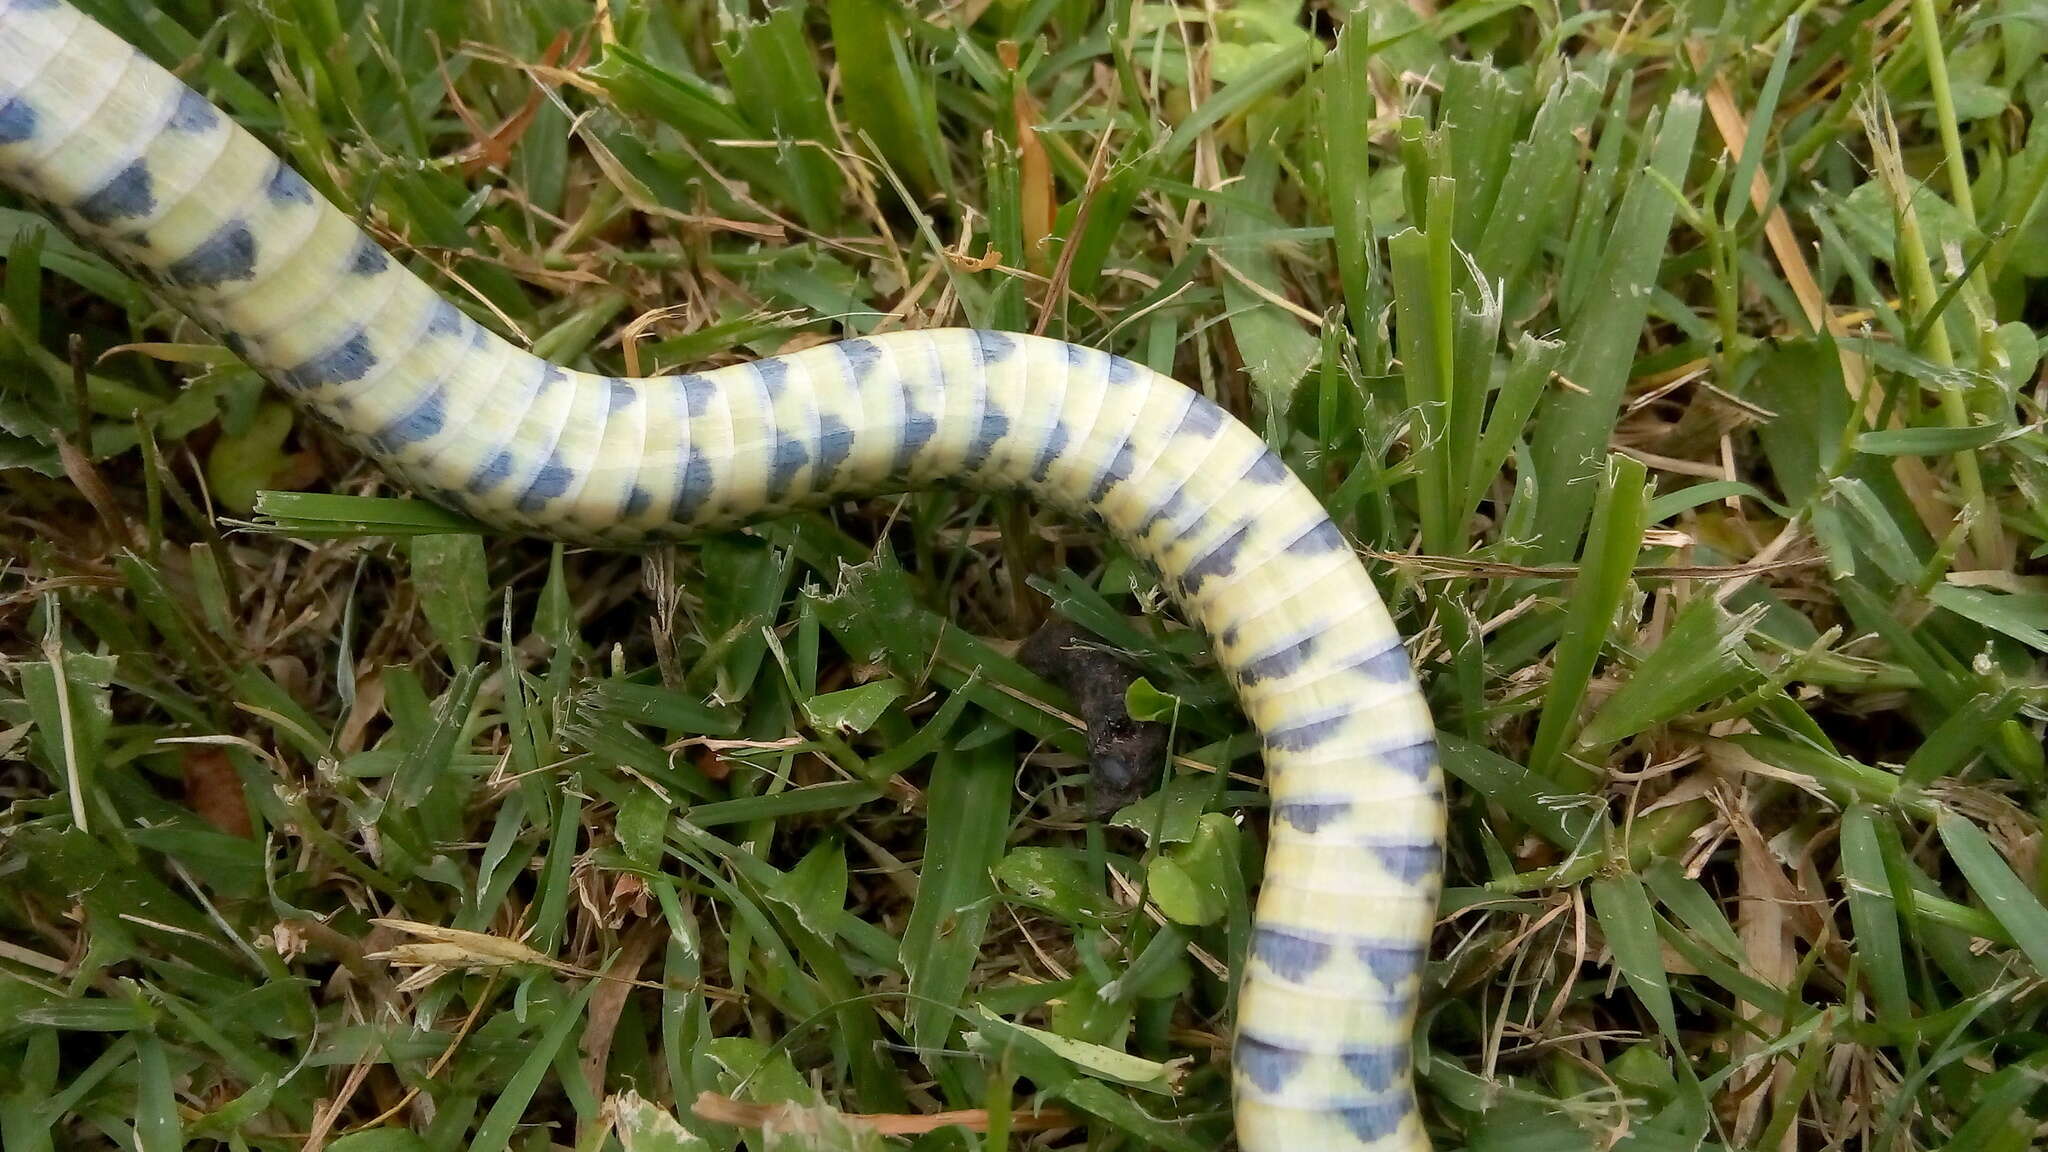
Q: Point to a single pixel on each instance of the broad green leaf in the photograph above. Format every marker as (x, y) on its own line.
(241, 464)
(1171, 814)
(1090, 1059)
(1054, 881)
(454, 589)
(1189, 881)
(855, 709)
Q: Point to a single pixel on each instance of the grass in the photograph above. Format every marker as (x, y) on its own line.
(1677, 366)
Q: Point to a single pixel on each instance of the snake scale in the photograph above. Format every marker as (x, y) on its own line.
(126, 155)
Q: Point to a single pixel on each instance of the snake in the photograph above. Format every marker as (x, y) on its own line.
(121, 153)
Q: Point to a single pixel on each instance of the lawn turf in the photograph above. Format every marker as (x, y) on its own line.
(1676, 366)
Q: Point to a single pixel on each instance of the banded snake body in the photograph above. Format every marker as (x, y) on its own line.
(129, 157)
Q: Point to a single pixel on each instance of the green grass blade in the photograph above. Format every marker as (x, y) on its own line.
(1349, 105)
(499, 1123)
(1630, 925)
(2005, 897)
(1605, 569)
(1758, 134)
(969, 810)
(1875, 916)
(1573, 426)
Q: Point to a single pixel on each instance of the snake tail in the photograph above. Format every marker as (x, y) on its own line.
(136, 163)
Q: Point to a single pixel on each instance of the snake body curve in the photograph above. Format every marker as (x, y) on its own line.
(129, 157)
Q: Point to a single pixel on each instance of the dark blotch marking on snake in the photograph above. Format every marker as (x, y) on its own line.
(791, 454)
(1122, 463)
(192, 113)
(1281, 661)
(918, 429)
(287, 187)
(1056, 440)
(835, 444)
(128, 193)
(990, 348)
(637, 500)
(229, 254)
(1307, 734)
(619, 394)
(995, 347)
(1203, 418)
(694, 485)
(1377, 1066)
(697, 393)
(1170, 508)
(17, 121)
(1324, 537)
(1294, 957)
(491, 473)
(1411, 862)
(1415, 759)
(860, 355)
(1267, 469)
(549, 482)
(1311, 815)
(1391, 964)
(348, 361)
(994, 425)
(366, 258)
(1218, 561)
(1265, 1063)
(773, 373)
(1375, 1121)
(445, 320)
(425, 419)
(1389, 665)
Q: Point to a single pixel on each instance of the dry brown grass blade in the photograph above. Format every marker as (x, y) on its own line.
(1034, 168)
(214, 791)
(1429, 567)
(493, 147)
(602, 1015)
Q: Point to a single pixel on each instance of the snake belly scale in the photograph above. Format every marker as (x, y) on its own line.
(130, 158)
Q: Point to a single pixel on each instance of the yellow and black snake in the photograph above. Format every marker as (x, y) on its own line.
(128, 156)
